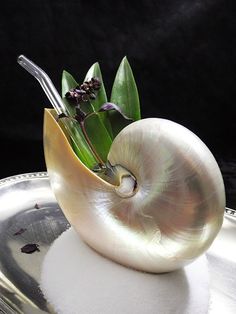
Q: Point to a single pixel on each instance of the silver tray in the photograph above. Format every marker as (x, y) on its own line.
(27, 202)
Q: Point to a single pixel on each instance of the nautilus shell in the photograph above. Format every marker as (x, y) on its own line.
(166, 207)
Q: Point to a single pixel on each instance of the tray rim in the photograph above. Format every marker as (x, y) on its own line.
(229, 212)
(24, 176)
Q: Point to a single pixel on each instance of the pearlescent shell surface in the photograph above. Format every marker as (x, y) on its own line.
(176, 211)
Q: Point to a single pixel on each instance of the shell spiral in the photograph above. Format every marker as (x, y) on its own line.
(177, 206)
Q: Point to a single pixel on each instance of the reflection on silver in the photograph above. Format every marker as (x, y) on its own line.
(230, 212)
(20, 273)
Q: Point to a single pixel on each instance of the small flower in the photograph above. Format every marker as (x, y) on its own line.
(96, 83)
(85, 97)
(70, 94)
(86, 87)
(84, 92)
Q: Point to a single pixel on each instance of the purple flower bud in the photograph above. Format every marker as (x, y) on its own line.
(84, 92)
(95, 83)
(85, 86)
(85, 97)
(69, 94)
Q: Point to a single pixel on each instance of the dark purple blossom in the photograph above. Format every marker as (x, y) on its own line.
(84, 92)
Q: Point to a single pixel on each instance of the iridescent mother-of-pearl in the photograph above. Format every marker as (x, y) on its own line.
(176, 209)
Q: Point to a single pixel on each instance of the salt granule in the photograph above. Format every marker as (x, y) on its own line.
(75, 279)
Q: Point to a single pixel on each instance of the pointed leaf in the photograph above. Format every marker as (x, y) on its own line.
(99, 135)
(79, 143)
(67, 83)
(125, 95)
(101, 98)
(95, 71)
(95, 128)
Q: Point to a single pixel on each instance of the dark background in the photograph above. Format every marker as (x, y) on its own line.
(182, 54)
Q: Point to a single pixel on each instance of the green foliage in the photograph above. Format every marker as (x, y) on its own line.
(125, 95)
(102, 126)
(67, 83)
(98, 135)
(80, 146)
(78, 143)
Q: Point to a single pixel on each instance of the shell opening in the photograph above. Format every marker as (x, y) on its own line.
(127, 187)
(123, 180)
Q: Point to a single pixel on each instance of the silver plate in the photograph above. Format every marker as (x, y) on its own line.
(27, 202)
(19, 273)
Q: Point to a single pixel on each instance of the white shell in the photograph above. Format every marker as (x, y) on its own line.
(176, 210)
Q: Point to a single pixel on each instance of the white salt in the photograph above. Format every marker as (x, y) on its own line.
(77, 280)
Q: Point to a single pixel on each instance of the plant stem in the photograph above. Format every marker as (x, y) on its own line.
(100, 161)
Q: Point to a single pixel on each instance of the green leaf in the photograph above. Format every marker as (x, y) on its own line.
(67, 83)
(98, 135)
(78, 142)
(101, 98)
(125, 95)
(95, 128)
(81, 147)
